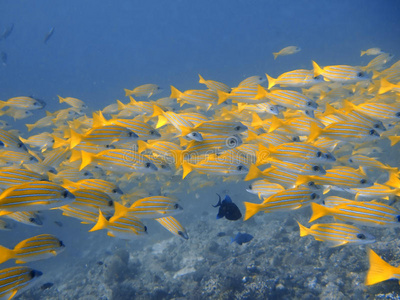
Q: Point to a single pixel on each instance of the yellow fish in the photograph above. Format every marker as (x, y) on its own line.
(34, 196)
(144, 90)
(32, 249)
(15, 279)
(287, 51)
(337, 234)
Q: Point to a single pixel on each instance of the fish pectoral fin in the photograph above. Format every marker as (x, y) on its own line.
(337, 244)
(110, 234)
(53, 252)
(19, 261)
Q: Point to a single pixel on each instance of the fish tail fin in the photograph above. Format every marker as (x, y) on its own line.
(187, 168)
(271, 81)
(185, 130)
(261, 92)
(275, 123)
(30, 126)
(121, 106)
(99, 119)
(241, 106)
(318, 211)
(251, 209)
(120, 210)
(161, 121)
(375, 74)
(178, 157)
(348, 106)
(128, 92)
(58, 142)
(251, 136)
(256, 121)
(101, 223)
(329, 110)
(262, 155)
(303, 230)
(254, 172)
(315, 132)
(222, 97)
(379, 270)
(393, 180)
(142, 146)
(5, 254)
(276, 54)
(394, 139)
(75, 155)
(75, 139)
(363, 52)
(61, 99)
(132, 101)
(157, 111)
(201, 79)
(385, 87)
(87, 158)
(175, 93)
(317, 69)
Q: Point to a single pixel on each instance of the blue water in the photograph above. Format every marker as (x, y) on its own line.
(101, 47)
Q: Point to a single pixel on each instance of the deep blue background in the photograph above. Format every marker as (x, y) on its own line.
(100, 47)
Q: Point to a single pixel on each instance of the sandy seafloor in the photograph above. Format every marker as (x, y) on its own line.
(100, 48)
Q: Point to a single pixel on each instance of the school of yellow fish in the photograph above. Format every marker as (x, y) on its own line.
(309, 132)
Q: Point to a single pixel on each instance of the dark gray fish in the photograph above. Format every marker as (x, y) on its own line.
(48, 35)
(46, 286)
(242, 238)
(228, 209)
(3, 57)
(6, 33)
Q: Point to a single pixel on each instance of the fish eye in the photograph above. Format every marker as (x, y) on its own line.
(110, 203)
(61, 244)
(295, 139)
(32, 158)
(250, 187)
(350, 160)
(398, 114)
(147, 165)
(64, 194)
(363, 181)
(194, 134)
(361, 236)
(372, 132)
(86, 174)
(398, 218)
(319, 154)
(309, 103)
(237, 128)
(114, 191)
(313, 196)
(360, 74)
(176, 206)
(145, 228)
(152, 132)
(239, 168)
(311, 183)
(316, 168)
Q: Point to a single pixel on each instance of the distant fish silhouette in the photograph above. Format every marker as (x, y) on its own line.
(3, 57)
(6, 33)
(228, 209)
(242, 238)
(48, 35)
